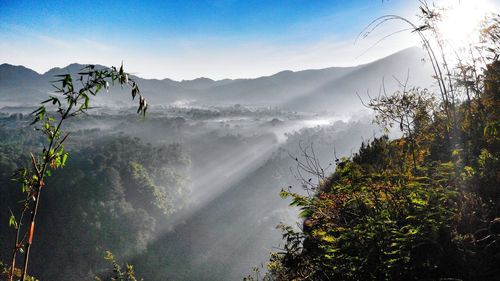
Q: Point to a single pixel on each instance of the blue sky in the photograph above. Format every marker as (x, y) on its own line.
(188, 39)
(179, 18)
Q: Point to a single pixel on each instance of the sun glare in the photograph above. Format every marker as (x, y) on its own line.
(461, 19)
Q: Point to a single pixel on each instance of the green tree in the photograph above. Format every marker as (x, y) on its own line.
(71, 98)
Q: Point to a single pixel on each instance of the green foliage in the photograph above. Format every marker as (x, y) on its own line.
(148, 190)
(371, 225)
(119, 274)
(422, 207)
(93, 201)
(5, 273)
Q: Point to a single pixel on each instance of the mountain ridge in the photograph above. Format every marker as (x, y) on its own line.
(81, 65)
(304, 90)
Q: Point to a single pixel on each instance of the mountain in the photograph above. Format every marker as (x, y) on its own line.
(329, 89)
(274, 89)
(18, 83)
(13, 73)
(198, 83)
(370, 79)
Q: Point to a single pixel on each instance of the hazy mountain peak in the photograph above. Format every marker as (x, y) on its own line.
(11, 67)
(198, 83)
(16, 72)
(72, 68)
(283, 72)
(200, 79)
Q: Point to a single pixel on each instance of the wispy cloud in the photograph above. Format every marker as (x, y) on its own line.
(54, 41)
(93, 44)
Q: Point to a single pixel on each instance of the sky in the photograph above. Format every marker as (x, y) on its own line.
(188, 39)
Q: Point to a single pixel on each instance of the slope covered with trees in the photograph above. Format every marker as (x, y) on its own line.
(421, 207)
(112, 195)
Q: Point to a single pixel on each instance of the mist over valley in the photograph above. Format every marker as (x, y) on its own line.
(214, 153)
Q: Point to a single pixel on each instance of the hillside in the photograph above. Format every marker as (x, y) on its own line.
(425, 206)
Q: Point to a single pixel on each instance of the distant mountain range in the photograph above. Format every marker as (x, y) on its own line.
(330, 89)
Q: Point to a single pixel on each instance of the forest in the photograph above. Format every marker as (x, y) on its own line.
(406, 190)
(421, 207)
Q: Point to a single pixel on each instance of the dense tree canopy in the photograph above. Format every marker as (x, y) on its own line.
(422, 207)
(112, 195)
